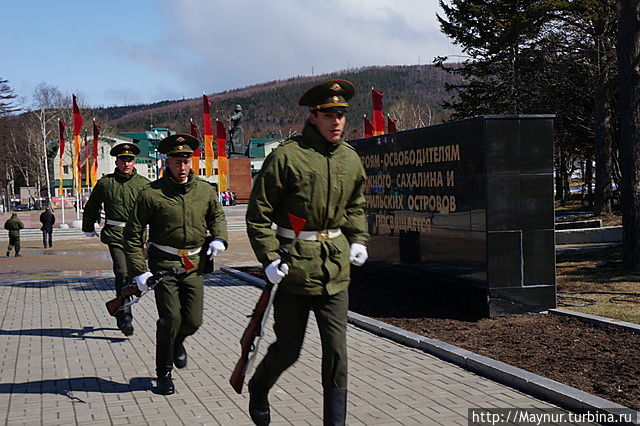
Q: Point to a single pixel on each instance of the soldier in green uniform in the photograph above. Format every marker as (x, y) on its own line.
(116, 193)
(318, 177)
(14, 225)
(180, 210)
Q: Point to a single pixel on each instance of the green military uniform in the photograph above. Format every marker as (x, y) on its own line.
(116, 193)
(179, 216)
(322, 182)
(14, 225)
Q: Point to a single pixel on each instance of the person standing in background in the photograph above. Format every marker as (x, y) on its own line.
(47, 218)
(14, 225)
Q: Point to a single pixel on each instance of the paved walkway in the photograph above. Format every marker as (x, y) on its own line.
(63, 361)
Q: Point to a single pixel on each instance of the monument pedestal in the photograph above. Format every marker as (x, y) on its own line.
(240, 178)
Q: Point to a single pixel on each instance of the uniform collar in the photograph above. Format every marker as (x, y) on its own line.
(180, 187)
(316, 141)
(123, 176)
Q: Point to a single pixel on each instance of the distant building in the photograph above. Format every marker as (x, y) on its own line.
(148, 162)
(259, 149)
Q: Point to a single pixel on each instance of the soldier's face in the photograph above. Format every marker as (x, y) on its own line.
(329, 124)
(179, 167)
(125, 164)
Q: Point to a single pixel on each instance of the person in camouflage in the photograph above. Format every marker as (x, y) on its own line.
(116, 193)
(14, 225)
(180, 210)
(318, 177)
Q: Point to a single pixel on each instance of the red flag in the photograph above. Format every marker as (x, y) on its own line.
(223, 165)
(368, 127)
(378, 116)
(208, 136)
(77, 118)
(62, 126)
(391, 125)
(94, 162)
(77, 127)
(195, 158)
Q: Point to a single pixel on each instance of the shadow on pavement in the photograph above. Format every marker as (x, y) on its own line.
(222, 279)
(77, 284)
(66, 387)
(65, 332)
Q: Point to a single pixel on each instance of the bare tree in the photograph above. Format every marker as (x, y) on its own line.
(411, 115)
(48, 102)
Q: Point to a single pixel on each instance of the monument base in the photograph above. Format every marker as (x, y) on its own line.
(458, 293)
(240, 178)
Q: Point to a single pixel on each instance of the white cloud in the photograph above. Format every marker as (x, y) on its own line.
(219, 45)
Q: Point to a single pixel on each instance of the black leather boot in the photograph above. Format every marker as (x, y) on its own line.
(335, 407)
(163, 370)
(165, 383)
(125, 321)
(124, 317)
(259, 405)
(179, 353)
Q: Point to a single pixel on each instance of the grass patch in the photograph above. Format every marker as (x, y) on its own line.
(613, 288)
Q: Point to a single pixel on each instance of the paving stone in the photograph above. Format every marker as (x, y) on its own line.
(63, 361)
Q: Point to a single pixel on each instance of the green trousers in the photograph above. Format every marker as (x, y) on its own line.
(291, 313)
(120, 271)
(119, 266)
(179, 301)
(14, 242)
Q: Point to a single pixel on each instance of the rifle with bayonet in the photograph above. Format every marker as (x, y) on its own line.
(258, 319)
(123, 300)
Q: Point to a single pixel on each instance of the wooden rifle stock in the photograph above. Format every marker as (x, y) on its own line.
(253, 331)
(116, 303)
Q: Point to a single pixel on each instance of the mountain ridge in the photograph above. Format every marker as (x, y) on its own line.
(412, 93)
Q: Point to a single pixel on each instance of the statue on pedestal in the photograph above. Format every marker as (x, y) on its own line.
(236, 134)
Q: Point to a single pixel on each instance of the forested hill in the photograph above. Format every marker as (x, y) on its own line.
(413, 94)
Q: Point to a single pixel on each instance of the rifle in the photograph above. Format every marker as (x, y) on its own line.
(252, 335)
(254, 332)
(120, 302)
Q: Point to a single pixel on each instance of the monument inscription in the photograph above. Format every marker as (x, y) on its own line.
(470, 201)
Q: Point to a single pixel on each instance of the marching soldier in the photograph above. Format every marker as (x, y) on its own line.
(318, 177)
(14, 225)
(116, 193)
(180, 210)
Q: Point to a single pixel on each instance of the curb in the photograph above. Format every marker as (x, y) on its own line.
(517, 378)
(597, 320)
(608, 234)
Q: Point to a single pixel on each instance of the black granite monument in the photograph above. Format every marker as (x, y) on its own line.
(465, 211)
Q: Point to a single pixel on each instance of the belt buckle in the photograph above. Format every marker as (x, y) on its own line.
(323, 235)
(183, 252)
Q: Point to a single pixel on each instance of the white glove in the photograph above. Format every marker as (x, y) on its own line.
(141, 281)
(215, 248)
(91, 234)
(358, 254)
(276, 271)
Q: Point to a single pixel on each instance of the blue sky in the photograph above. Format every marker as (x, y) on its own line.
(118, 52)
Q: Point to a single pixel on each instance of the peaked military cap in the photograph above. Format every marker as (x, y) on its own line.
(125, 149)
(178, 145)
(329, 96)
